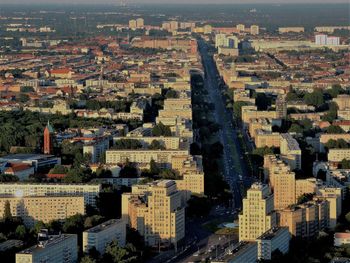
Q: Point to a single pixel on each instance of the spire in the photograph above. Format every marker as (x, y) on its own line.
(49, 127)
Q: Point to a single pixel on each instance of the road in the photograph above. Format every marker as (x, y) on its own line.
(200, 244)
(235, 170)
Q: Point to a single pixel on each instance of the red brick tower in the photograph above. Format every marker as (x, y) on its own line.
(48, 140)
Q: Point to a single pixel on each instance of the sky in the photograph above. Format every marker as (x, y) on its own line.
(170, 1)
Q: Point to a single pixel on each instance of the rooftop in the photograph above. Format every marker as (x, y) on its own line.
(104, 225)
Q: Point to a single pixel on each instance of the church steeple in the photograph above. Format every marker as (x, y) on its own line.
(48, 140)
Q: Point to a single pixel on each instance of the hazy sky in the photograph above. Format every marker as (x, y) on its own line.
(170, 1)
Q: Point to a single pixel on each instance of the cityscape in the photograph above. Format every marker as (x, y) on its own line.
(177, 131)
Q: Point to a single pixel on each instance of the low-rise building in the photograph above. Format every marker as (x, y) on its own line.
(276, 238)
(56, 249)
(246, 252)
(341, 239)
(101, 235)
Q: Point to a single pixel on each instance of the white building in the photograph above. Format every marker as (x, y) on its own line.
(101, 235)
(57, 249)
(341, 239)
(273, 239)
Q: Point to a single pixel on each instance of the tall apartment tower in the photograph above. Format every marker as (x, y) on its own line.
(156, 212)
(48, 139)
(258, 213)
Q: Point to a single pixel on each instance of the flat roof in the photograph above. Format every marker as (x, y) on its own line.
(51, 242)
(104, 225)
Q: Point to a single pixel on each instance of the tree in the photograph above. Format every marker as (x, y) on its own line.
(161, 130)
(156, 145)
(116, 254)
(154, 169)
(334, 129)
(128, 171)
(59, 169)
(171, 94)
(8, 178)
(74, 224)
(237, 108)
(7, 211)
(21, 232)
(315, 98)
(345, 164)
(347, 217)
(169, 174)
(335, 90)
(130, 144)
(292, 96)
(87, 259)
(92, 221)
(262, 151)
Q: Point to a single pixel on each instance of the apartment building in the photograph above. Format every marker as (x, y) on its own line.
(267, 139)
(342, 101)
(251, 112)
(337, 155)
(191, 183)
(259, 124)
(88, 191)
(43, 208)
(143, 156)
(334, 197)
(101, 235)
(96, 149)
(326, 137)
(156, 212)
(305, 220)
(56, 249)
(170, 143)
(274, 239)
(290, 151)
(258, 213)
(283, 30)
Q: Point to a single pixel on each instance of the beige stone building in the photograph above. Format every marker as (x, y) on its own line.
(267, 139)
(258, 213)
(43, 208)
(337, 155)
(156, 212)
(305, 220)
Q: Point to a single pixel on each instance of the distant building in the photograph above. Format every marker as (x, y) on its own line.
(341, 239)
(283, 30)
(325, 40)
(101, 235)
(55, 249)
(254, 30)
(258, 213)
(240, 27)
